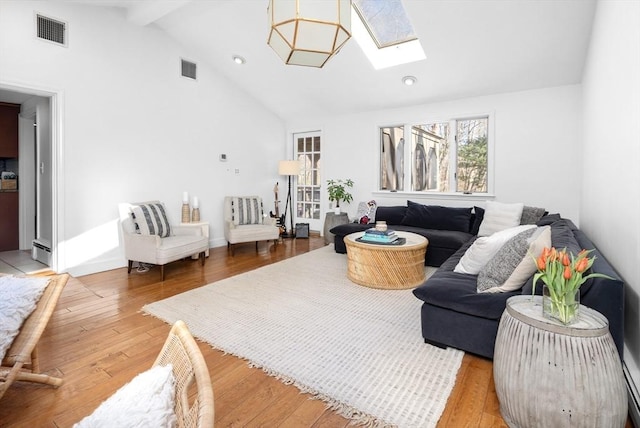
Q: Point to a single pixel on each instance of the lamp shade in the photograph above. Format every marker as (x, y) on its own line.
(308, 32)
(289, 167)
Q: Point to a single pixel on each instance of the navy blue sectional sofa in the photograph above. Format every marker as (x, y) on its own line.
(447, 229)
(453, 312)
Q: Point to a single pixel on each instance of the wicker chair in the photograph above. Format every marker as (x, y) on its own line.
(21, 360)
(194, 401)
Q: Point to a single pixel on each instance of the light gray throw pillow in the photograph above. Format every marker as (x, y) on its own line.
(531, 215)
(514, 263)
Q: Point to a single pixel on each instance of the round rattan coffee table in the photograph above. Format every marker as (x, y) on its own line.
(392, 267)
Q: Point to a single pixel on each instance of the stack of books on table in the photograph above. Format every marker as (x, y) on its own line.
(377, 236)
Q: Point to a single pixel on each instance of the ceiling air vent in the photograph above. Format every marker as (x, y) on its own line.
(52, 30)
(189, 69)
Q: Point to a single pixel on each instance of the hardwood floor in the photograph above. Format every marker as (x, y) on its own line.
(97, 340)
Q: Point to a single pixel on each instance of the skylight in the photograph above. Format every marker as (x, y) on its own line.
(386, 20)
(385, 34)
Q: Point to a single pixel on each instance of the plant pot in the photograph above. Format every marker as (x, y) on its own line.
(336, 210)
(562, 307)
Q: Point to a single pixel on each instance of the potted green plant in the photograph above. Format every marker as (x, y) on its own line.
(338, 192)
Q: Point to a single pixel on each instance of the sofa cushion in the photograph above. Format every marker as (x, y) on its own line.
(392, 215)
(437, 217)
(477, 220)
(499, 216)
(246, 210)
(484, 248)
(514, 263)
(346, 229)
(457, 292)
(151, 219)
(548, 219)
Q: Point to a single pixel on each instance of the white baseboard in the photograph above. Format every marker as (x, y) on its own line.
(634, 396)
(95, 267)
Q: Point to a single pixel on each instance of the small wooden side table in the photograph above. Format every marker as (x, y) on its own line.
(551, 375)
(332, 220)
(204, 226)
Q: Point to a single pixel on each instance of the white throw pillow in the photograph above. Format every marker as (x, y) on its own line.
(514, 264)
(484, 248)
(146, 401)
(499, 216)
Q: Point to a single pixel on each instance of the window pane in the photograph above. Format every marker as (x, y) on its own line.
(472, 147)
(392, 158)
(308, 184)
(387, 21)
(429, 154)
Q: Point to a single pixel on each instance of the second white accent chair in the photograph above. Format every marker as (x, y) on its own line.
(245, 221)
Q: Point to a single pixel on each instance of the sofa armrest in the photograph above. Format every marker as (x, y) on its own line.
(138, 247)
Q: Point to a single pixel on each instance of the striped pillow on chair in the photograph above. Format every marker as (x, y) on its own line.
(151, 219)
(246, 210)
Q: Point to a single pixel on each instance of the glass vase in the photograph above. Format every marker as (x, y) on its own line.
(560, 306)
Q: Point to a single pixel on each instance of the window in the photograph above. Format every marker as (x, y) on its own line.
(308, 186)
(392, 158)
(447, 157)
(471, 165)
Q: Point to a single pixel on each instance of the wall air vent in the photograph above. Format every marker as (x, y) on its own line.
(51, 29)
(189, 69)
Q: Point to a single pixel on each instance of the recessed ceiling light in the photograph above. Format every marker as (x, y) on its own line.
(409, 80)
(238, 59)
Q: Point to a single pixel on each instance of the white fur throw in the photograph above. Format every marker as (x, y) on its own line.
(18, 298)
(145, 402)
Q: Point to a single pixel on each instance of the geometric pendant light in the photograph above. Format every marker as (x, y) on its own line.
(308, 32)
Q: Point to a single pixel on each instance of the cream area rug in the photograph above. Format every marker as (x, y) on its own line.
(301, 320)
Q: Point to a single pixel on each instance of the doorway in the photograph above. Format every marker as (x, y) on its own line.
(36, 168)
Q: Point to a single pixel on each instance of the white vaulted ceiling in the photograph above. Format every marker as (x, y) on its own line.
(473, 48)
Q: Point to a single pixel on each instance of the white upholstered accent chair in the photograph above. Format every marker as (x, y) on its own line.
(245, 221)
(151, 238)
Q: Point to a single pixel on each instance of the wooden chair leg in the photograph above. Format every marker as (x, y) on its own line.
(256, 246)
(130, 265)
(161, 272)
(202, 258)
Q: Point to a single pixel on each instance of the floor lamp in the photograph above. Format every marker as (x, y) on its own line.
(288, 168)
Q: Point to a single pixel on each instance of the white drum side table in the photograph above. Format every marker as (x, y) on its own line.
(550, 375)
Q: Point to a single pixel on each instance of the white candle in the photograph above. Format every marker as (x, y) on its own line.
(185, 197)
(195, 202)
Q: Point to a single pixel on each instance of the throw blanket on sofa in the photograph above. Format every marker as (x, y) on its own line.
(18, 298)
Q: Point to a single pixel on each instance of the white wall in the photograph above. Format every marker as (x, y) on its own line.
(132, 129)
(610, 206)
(537, 148)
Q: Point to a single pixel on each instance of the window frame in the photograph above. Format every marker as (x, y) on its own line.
(453, 148)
